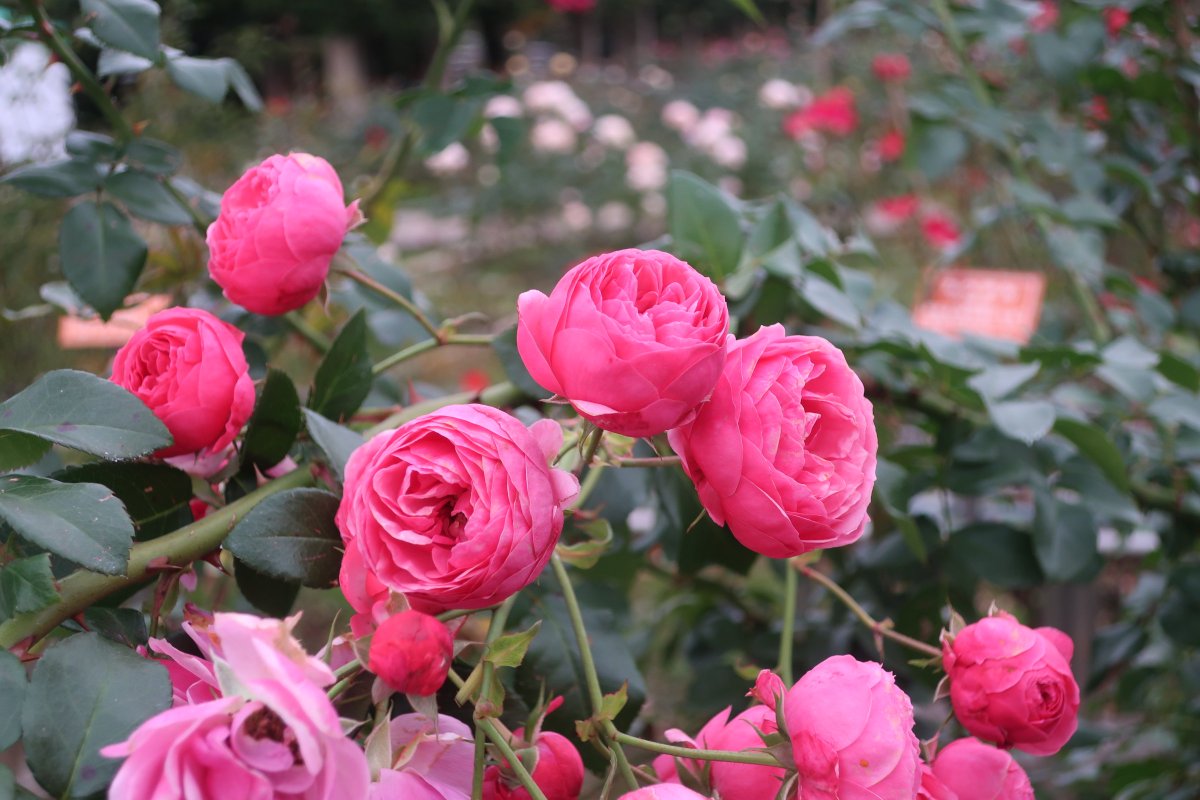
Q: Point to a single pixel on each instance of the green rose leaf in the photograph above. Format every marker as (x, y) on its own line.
(291, 536)
(102, 256)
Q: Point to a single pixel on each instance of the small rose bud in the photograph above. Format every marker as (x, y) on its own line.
(411, 652)
(768, 689)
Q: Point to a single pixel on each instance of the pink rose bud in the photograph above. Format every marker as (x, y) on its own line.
(456, 509)
(977, 771)
(1012, 685)
(769, 689)
(411, 652)
(187, 366)
(852, 732)
(663, 791)
(634, 339)
(932, 787)
(784, 451)
(280, 225)
(558, 772)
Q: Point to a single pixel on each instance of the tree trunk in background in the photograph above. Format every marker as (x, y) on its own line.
(345, 80)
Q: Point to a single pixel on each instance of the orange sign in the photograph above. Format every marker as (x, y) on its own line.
(76, 333)
(998, 303)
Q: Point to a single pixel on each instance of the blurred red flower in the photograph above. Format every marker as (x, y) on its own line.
(1045, 18)
(940, 231)
(1115, 19)
(833, 112)
(891, 145)
(891, 67)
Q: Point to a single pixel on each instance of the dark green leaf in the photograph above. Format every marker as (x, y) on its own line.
(20, 449)
(78, 410)
(102, 256)
(1063, 57)
(86, 693)
(275, 423)
(1024, 420)
(995, 383)
(687, 533)
(505, 347)
(996, 553)
(125, 626)
(291, 536)
(269, 595)
(130, 25)
(1096, 445)
(84, 523)
(704, 225)
(1180, 607)
(1178, 371)
(892, 490)
(153, 156)
(156, 496)
(13, 687)
(337, 442)
(67, 178)
(1078, 250)
(147, 198)
(1064, 539)
(938, 149)
(91, 146)
(206, 77)
(344, 378)
(444, 119)
(26, 585)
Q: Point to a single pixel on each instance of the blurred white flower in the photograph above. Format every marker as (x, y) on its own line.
(503, 105)
(36, 112)
(680, 115)
(556, 98)
(729, 152)
(552, 135)
(614, 216)
(713, 126)
(613, 130)
(488, 138)
(454, 158)
(576, 216)
(654, 204)
(646, 167)
(778, 94)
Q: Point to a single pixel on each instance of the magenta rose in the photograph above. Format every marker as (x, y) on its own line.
(1012, 685)
(558, 771)
(852, 733)
(932, 787)
(268, 731)
(784, 451)
(634, 339)
(455, 509)
(280, 225)
(411, 653)
(187, 366)
(977, 771)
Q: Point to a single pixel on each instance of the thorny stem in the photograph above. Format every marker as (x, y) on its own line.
(736, 757)
(788, 636)
(495, 628)
(345, 682)
(883, 628)
(495, 731)
(654, 461)
(400, 356)
(366, 280)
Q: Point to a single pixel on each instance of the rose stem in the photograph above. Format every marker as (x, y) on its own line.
(788, 636)
(596, 697)
(495, 628)
(400, 356)
(358, 276)
(736, 757)
(881, 628)
(499, 736)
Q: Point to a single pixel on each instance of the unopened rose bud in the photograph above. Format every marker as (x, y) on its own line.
(411, 652)
(768, 689)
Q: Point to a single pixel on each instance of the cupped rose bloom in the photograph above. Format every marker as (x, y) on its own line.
(187, 366)
(270, 731)
(891, 67)
(411, 652)
(932, 787)
(428, 762)
(977, 771)
(280, 225)
(455, 509)
(558, 771)
(852, 733)
(663, 791)
(634, 339)
(784, 451)
(1012, 685)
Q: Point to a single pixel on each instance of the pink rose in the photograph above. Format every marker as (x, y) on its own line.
(852, 733)
(666, 767)
(1012, 685)
(280, 225)
(634, 339)
(187, 366)
(978, 771)
(932, 787)
(558, 771)
(784, 451)
(891, 67)
(663, 791)
(428, 762)
(769, 689)
(270, 731)
(833, 112)
(721, 733)
(455, 509)
(411, 652)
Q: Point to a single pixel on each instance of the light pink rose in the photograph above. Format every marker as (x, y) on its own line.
(428, 762)
(280, 225)
(977, 771)
(455, 509)
(663, 791)
(558, 771)
(852, 733)
(1012, 685)
(187, 366)
(784, 451)
(634, 339)
(270, 732)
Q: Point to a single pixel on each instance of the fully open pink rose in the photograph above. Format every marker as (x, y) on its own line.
(558, 771)
(269, 732)
(428, 762)
(977, 771)
(634, 339)
(455, 509)
(1012, 685)
(663, 791)
(784, 451)
(187, 366)
(279, 227)
(852, 733)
